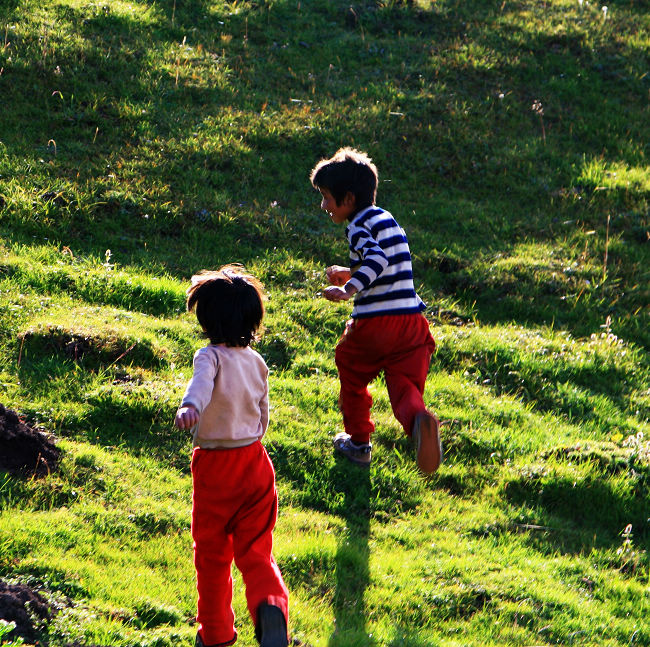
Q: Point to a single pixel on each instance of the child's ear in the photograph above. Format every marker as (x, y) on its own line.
(349, 200)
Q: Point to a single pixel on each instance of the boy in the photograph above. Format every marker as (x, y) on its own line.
(388, 331)
(234, 500)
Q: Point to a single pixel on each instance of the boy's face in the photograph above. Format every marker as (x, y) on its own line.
(339, 213)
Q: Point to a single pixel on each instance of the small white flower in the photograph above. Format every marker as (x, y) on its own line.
(604, 10)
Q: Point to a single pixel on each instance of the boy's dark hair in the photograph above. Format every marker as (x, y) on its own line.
(228, 303)
(348, 170)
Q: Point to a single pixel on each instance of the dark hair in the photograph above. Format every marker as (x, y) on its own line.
(348, 170)
(228, 303)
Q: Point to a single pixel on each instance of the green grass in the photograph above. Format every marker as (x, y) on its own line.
(143, 141)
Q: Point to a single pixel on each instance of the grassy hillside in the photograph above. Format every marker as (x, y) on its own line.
(142, 141)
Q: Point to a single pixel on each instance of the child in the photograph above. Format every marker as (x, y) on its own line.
(388, 331)
(234, 502)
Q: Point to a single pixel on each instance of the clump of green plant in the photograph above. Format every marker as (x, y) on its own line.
(632, 560)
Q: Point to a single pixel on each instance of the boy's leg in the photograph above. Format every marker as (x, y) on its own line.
(406, 369)
(253, 537)
(406, 372)
(357, 367)
(213, 555)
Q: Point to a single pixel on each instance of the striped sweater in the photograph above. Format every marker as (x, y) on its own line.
(380, 262)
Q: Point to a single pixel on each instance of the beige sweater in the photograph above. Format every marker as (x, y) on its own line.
(230, 390)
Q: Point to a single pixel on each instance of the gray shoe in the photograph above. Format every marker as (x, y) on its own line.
(359, 454)
(426, 438)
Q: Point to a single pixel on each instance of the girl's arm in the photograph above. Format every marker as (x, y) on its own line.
(264, 409)
(199, 390)
(186, 417)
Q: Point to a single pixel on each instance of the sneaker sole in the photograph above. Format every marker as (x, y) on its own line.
(356, 461)
(352, 459)
(428, 448)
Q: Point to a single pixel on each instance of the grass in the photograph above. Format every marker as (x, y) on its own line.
(147, 140)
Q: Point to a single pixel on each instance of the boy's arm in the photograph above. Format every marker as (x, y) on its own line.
(373, 259)
(338, 275)
(335, 293)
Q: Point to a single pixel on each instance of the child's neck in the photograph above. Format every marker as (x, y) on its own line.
(356, 212)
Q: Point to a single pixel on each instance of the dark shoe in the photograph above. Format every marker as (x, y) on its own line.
(199, 642)
(359, 454)
(426, 438)
(271, 630)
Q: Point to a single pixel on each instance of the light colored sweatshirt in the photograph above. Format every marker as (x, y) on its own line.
(230, 390)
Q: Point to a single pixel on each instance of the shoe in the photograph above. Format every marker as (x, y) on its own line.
(426, 438)
(199, 641)
(271, 630)
(359, 454)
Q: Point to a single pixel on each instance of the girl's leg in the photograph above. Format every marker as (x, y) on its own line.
(253, 537)
(213, 555)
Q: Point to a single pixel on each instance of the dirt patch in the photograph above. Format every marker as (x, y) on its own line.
(24, 450)
(25, 607)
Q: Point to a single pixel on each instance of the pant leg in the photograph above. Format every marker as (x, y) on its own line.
(252, 530)
(407, 367)
(401, 346)
(357, 367)
(213, 554)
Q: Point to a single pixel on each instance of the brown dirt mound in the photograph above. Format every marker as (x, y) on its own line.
(19, 604)
(24, 450)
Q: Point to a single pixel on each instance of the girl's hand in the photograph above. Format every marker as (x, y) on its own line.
(186, 417)
(338, 275)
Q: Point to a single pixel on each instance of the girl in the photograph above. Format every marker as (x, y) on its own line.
(234, 501)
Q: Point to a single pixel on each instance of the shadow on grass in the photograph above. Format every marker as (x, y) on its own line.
(594, 506)
(358, 496)
(328, 487)
(115, 91)
(352, 558)
(125, 414)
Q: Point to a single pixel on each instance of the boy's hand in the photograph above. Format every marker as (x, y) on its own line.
(335, 293)
(338, 275)
(186, 417)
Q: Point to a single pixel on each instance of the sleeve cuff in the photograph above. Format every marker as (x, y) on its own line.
(186, 403)
(355, 283)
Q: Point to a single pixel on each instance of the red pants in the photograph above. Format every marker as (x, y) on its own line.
(233, 515)
(399, 345)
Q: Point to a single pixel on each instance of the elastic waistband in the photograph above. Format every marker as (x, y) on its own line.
(220, 445)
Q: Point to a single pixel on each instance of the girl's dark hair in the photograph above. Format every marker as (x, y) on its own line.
(348, 170)
(229, 304)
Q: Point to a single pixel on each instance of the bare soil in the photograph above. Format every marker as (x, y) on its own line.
(25, 607)
(23, 449)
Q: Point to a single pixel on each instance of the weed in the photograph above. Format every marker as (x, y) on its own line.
(632, 561)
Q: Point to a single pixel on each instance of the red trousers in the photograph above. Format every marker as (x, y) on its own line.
(234, 512)
(399, 345)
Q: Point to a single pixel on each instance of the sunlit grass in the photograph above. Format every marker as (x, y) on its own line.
(144, 142)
